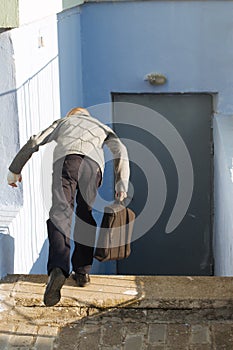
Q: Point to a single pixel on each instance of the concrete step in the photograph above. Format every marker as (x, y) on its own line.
(159, 292)
(118, 312)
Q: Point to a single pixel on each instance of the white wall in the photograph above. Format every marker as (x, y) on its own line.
(9, 138)
(9, 200)
(35, 82)
(33, 10)
(14, 13)
(223, 165)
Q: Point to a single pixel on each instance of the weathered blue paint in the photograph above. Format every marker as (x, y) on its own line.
(191, 42)
(70, 63)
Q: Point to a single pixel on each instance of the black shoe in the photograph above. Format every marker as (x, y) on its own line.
(82, 279)
(52, 293)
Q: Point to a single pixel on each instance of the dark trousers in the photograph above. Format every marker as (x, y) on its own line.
(75, 178)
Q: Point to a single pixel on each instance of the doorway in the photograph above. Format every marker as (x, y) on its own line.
(187, 249)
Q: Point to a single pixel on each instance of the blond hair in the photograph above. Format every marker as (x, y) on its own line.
(77, 110)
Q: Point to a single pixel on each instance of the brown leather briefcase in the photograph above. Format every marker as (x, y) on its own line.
(115, 233)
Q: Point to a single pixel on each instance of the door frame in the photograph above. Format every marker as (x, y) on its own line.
(214, 96)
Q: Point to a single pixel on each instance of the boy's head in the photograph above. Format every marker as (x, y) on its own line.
(78, 110)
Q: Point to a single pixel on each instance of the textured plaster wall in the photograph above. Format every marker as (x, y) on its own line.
(9, 128)
(31, 101)
(9, 201)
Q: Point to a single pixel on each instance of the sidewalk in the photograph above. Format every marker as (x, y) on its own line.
(118, 312)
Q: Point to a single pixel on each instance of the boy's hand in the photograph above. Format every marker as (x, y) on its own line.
(120, 196)
(13, 178)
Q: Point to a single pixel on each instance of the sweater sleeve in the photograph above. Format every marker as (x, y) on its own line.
(121, 162)
(32, 146)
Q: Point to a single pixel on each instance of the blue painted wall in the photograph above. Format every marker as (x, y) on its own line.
(191, 42)
(114, 45)
(70, 63)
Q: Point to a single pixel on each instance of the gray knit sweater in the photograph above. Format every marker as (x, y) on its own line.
(79, 134)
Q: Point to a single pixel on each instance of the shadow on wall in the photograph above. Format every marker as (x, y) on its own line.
(40, 265)
(7, 250)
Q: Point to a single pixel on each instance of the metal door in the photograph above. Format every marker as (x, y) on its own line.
(187, 249)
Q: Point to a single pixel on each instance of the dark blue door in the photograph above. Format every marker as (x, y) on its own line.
(185, 247)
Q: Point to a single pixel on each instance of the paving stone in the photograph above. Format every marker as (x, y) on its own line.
(4, 340)
(44, 343)
(27, 329)
(21, 340)
(135, 328)
(134, 342)
(200, 334)
(6, 331)
(178, 335)
(89, 340)
(48, 330)
(23, 336)
(223, 336)
(68, 338)
(89, 337)
(157, 333)
(112, 334)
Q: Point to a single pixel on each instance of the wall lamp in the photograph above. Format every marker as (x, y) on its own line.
(156, 79)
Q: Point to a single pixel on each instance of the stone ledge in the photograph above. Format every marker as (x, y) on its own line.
(143, 292)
